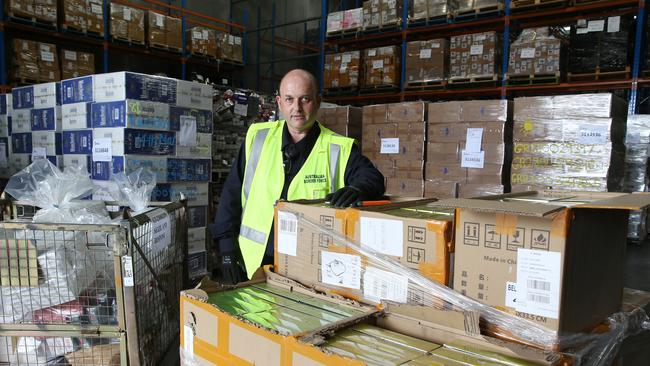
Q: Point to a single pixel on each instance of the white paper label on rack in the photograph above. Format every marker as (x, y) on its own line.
(127, 14)
(197, 35)
(476, 49)
(188, 339)
(347, 57)
(3, 155)
(224, 81)
(425, 53)
(511, 295)
(435, 45)
(287, 233)
(70, 55)
(187, 133)
(538, 282)
(378, 64)
(480, 37)
(341, 269)
(47, 56)
(127, 271)
(372, 52)
(382, 235)
(389, 146)
(39, 152)
(96, 8)
(102, 149)
(473, 140)
(590, 134)
(527, 52)
(613, 24)
(582, 31)
(237, 41)
(160, 20)
(206, 34)
(241, 109)
(161, 230)
(382, 285)
(472, 159)
(596, 25)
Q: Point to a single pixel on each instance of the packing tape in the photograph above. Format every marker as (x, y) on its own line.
(506, 224)
(434, 271)
(560, 223)
(350, 218)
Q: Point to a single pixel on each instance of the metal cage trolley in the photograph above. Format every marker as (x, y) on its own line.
(91, 294)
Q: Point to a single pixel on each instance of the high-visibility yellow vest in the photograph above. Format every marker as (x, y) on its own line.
(322, 173)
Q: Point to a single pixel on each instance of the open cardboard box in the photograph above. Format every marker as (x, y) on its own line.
(213, 337)
(556, 258)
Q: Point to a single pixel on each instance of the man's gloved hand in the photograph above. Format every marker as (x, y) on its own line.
(231, 269)
(344, 197)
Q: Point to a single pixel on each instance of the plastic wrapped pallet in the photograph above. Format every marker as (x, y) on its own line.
(379, 14)
(127, 23)
(342, 70)
(535, 52)
(156, 34)
(347, 20)
(637, 143)
(428, 9)
(381, 66)
(76, 63)
(202, 41)
(600, 44)
(345, 121)
(26, 60)
(474, 56)
(74, 14)
(570, 142)
(173, 33)
(229, 47)
(21, 8)
(427, 61)
(45, 10)
(95, 16)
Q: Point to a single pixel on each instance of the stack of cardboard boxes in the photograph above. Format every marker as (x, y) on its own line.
(474, 56)
(431, 9)
(570, 142)
(394, 138)
(345, 121)
(427, 61)
(41, 10)
(76, 63)
(379, 14)
(344, 21)
(164, 31)
(229, 47)
(6, 106)
(600, 44)
(35, 61)
(381, 66)
(202, 41)
(119, 122)
(84, 15)
(470, 5)
(468, 144)
(127, 23)
(535, 52)
(342, 70)
(637, 147)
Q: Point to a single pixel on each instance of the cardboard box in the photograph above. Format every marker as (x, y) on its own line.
(471, 190)
(345, 121)
(23, 8)
(197, 194)
(156, 34)
(74, 14)
(95, 16)
(440, 189)
(203, 118)
(474, 56)
(76, 63)
(342, 70)
(202, 41)
(45, 10)
(132, 114)
(538, 255)
(173, 33)
(126, 141)
(427, 61)
(127, 23)
(229, 47)
(381, 66)
(428, 9)
(76, 116)
(535, 52)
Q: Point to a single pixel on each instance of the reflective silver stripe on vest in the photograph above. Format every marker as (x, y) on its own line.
(256, 152)
(252, 234)
(335, 152)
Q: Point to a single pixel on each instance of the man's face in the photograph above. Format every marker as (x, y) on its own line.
(299, 102)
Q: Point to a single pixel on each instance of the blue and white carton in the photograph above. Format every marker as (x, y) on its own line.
(75, 116)
(188, 170)
(78, 142)
(49, 140)
(21, 143)
(131, 113)
(203, 118)
(127, 141)
(21, 121)
(84, 161)
(197, 194)
(194, 95)
(46, 119)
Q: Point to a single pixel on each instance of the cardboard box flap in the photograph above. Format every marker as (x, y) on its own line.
(517, 208)
(464, 322)
(633, 202)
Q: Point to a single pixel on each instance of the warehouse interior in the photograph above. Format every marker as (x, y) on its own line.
(324, 182)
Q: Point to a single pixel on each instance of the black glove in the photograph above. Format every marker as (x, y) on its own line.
(232, 272)
(344, 197)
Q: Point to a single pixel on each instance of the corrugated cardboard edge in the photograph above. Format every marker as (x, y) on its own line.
(517, 208)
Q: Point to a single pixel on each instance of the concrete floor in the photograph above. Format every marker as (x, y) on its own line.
(637, 276)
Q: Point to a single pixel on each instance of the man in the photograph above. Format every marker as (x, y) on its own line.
(291, 159)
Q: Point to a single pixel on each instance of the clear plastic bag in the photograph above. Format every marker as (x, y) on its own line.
(134, 189)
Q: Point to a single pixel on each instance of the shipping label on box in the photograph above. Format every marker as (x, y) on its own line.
(49, 140)
(47, 95)
(46, 119)
(22, 97)
(194, 95)
(83, 161)
(138, 142)
(21, 143)
(189, 170)
(197, 194)
(127, 85)
(78, 142)
(200, 148)
(21, 121)
(132, 114)
(77, 90)
(76, 116)
(203, 118)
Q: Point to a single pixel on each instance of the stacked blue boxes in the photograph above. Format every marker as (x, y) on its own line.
(123, 121)
(5, 148)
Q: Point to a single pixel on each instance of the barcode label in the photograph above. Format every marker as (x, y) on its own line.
(287, 233)
(288, 226)
(127, 271)
(539, 285)
(539, 298)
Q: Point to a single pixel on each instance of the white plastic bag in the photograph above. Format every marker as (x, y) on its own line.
(135, 189)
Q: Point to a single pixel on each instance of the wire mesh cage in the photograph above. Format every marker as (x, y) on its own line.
(74, 280)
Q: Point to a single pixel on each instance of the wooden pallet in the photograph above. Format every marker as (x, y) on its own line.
(582, 2)
(426, 85)
(72, 28)
(22, 81)
(533, 79)
(392, 27)
(530, 5)
(128, 40)
(164, 47)
(599, 75)
(347, 90)
(376, 89)
(22, 18)
(344, 33)
(479, 12)
(482, 80)
(203, 56)
(429, 21)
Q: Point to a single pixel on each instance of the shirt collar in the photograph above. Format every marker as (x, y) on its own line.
(312, 135)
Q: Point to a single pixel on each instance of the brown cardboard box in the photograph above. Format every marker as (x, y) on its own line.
(381, 66)
(48, 63)
(342, 69)
(345, 121)
(136, 25)
(440, 189)
(435, 171)
(127, 22)
(443, 153)
(173, 33)
(229, 47)
(400, 187)
(202, 41)
(76, 63)
(74, 14)
(347, 20)
(381, 13)
(26, 59)
(469, 111)
(535, 52)
(45, 10)
(474, 56)
(427, 61)
(156, 34)
(95, 16)
(555, 258)
(471, 190)
(429, 9)
(24, 8)
(371, 14)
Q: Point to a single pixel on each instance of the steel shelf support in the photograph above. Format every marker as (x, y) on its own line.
(107, 12)
(506, 51)
(3, 60)
(183, 42)
(636, 64)
(321, 38)
(273, 14)
(402, 66)
(259, 50)
(245, 38)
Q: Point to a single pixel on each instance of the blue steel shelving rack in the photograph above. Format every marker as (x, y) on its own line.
(106, 43)
(502, 23)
